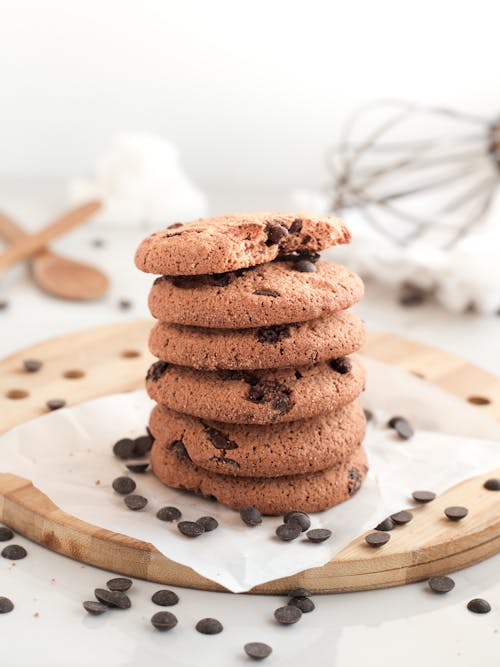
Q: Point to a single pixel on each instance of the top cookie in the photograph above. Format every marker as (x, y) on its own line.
(231, 242)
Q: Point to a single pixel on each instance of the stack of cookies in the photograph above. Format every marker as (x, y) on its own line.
(256, 386)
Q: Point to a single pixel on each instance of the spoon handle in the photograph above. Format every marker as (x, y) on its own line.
(26, 246)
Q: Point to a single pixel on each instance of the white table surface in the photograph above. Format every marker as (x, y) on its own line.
(406, 625)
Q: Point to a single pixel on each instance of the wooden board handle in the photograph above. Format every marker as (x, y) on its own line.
(26, 246)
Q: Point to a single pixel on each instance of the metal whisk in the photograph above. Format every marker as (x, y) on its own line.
(417, 172)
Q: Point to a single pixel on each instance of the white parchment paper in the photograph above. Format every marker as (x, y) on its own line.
(68, 455)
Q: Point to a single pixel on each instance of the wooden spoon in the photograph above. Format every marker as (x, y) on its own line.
(56, 275)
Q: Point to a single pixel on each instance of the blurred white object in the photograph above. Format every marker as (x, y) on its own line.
(466, 275)
(140, 181)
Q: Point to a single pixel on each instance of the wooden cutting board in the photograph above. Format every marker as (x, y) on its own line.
(114, 358)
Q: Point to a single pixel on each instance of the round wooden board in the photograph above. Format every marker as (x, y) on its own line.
(114, 358)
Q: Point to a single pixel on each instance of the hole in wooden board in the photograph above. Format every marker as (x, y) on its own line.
(130, 354)
(17, 394)
(479, 400)
(74, 374)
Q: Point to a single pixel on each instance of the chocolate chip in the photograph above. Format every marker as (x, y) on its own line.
(296, 226)
(305, 266)
(402, 517)
(456, 512)
(190, 528)
(97, 243)
(266, 292)
(165, 598)
(209, 626)
(246, 376)
(55, 403)
(113, 598)
(353, 481)
(219, 439)
(225, 461)
(175, 225)
(257, 650)
(142, 445)
(137, 467)
(306, 239)
(299, 593)
(275, 232)
(95, 608)
(304, 604)
(179, 448)
(402, 427)
(273, 334)
(124, 485)
(441, 584)
(423, 496)
(412, 295)
(479, 606)
(32, 365)
(157, 370)
(288, 615)
(5, 534)
(368, 414)
(251, 516)
(119, 584)
(135, 502)
(168, 514)
(14, 552)
(208, 523)
(164, 620)
(298, 375)
(377, 539)
(300, 518)
(124, 448)
(124, 304)
(386, 524)
(6, 605)
(342, 365)
(4, 304)
(492, 484)
(271, 391)
(318, 535)
(288, 531)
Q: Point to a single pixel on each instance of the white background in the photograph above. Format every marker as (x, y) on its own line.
(252, 92)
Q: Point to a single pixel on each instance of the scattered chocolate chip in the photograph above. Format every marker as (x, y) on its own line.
(300, 518)
(113, 598)
(306, 239)
(14, 552)
(288, 531)
(124, 448)
(124, 304)
(492, 484)
(168, 514)
(288, 615)
(6, 605)
(299, 593)
(123, 485)
(225, 461)
(342, 365)
(275, 232)
(298, 375)
(142, 445)
(164, 620)
(4, 304)
(175, 225)
(190, 528)
(271, 391)
(257, 650)
(95, 608)
(32, 365)
(251, 516)
(412, 295)
(273, 334)
(423, 496)
(441, 584)
(386, 524)
(304, 604)
(135, 502)
(318, 535)
(97, 243)
(209, 626)
(121, 584)
(266, 292)
(179, 448)
(157, 370)
(479, 606)
(208, 523)
(55, 403)
(377, 539)
(165, 598)
(296, 226)
(456, 512)
(5, 534)
(219, 439)
(402, 427)
(353, 481)
(305, 266)
(368, 415)
(402, 517)
(137, 467)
